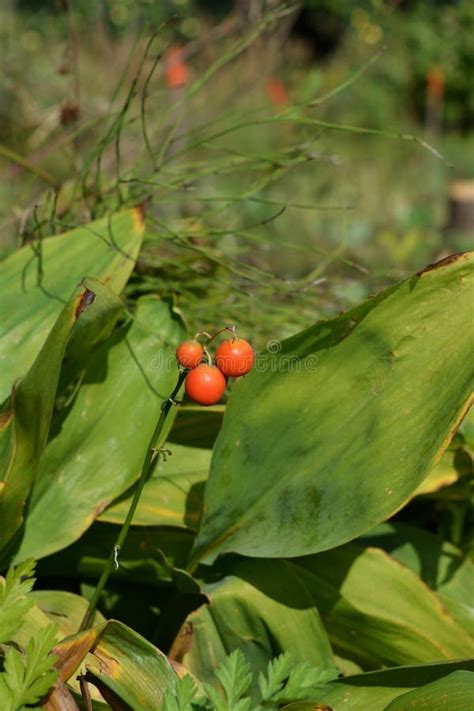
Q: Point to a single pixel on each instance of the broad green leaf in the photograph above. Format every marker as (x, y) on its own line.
(377, 611)
(92, 647)
(262, 609)
(173, 495)
(101, 440)
(37, 280)
(331, 435)
(455, 691)
(27, 422)
(441, 566)
(374, 690)
(64, 608)
(131, 667)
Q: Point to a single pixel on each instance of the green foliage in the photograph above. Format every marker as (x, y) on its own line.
(173, 495)
(300, 451)
(140, 373)
(288, 680)
(234, 676)
(316, 605)
(420, 38)
(457, 689)
(376, 690)
(29, 676)
(40, 278)
(184, 697)
(440, 38)
(130, 667)
(332, 434)
(283, 681)
(278, 670)
(14, 598)
(220, 165)
(439, 564)
(27, 419)
(306, 608)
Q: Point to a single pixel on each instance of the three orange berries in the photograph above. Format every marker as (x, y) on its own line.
(206, 383)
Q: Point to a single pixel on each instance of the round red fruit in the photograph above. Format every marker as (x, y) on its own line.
(235, 357)
(205, 384)
(189, 354)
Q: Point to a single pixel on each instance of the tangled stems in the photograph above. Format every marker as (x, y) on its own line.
(210, 337)
(112, 562)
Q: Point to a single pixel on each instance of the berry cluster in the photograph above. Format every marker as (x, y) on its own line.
(206, 381)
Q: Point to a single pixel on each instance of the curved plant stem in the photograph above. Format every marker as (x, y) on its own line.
(221, 330)
(112, 562)
(10, 155)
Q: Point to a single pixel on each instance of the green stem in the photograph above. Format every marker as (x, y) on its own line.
(14, 157)
(221, 330)
(145, 473)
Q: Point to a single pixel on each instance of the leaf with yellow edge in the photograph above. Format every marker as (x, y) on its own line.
(454, 464)
(27, 421)
(335, 432)
(130, 667)
(37, 281)
(104, 435)
(374, 690)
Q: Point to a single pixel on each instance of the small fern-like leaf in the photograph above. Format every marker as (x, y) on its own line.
(235, 676)
(304, 682)
(14, 599)
(183, 696)
(278, 670)
(29, 676)
(217, 702)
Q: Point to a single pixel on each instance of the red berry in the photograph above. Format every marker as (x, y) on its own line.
(235, 357)
(205, 384)
(189, 354)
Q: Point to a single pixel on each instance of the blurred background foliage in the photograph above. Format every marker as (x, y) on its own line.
(259, 211)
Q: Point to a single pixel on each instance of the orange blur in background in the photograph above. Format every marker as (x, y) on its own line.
(276, 92)
(176, 70)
